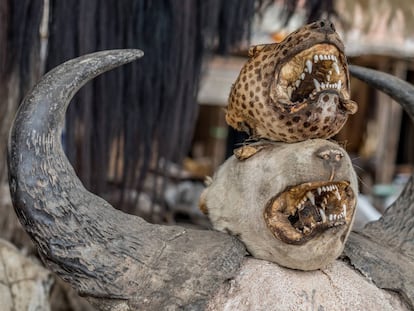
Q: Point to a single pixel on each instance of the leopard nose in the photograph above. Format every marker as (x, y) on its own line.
(326, 26)
(331, 156)
(331, 159)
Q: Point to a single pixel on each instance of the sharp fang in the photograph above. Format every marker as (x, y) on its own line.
(309, 66)
(317, 85)
(339, 84)
(302, 76)
(335, 67)
(330, 217)
(338, 195)
(323, 215)
(344, 210)
(311, 197)
(315, 58)
(319, 190)
(289, 91)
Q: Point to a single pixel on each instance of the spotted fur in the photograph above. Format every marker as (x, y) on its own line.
(261, 101)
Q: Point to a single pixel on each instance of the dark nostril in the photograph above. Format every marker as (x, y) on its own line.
(326, 26)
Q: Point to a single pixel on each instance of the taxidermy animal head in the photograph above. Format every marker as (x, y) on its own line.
(294, 90)
(292, 204)
(119, 261)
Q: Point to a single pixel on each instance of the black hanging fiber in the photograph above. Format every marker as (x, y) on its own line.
(147, 108)
(19, 60)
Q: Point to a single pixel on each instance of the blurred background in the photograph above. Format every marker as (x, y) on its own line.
(144, 137)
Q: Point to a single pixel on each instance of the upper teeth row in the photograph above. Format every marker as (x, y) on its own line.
(327, 188)
(319, 57)
(311, 197)
(308, 69)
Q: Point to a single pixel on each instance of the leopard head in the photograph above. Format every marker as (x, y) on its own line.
(294, 90)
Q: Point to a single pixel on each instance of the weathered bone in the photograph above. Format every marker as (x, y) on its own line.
(99, 250)
(400, 90)
(120, 262)
(384, 250)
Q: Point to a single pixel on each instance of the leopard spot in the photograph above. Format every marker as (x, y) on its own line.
(314, 128)
(306, 124)
(296, 119)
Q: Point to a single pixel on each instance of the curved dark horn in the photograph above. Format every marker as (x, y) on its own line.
(102, 252)
(382, 250)
(399, 90)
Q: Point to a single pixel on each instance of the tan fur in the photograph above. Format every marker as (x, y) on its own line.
(258, 103)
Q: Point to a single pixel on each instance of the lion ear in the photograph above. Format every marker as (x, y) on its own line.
(255, 49)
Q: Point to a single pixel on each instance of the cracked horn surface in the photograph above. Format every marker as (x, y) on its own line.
(250, 186)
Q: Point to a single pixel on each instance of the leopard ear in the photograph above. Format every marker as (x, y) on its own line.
(255, 49)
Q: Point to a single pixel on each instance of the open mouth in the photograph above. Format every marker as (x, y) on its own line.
(317, 69)
(306, 210)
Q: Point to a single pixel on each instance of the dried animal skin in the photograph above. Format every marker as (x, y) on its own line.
(294, 90)
(292, 204)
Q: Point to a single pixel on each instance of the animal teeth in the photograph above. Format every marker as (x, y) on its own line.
(297, 83)
(322, 85)
(328, 77)
(319, 190)
(309, 66)
(317, 85)
(330, 217)
(335, 67)
(338, 195)
(315, 58)
(289, 91)
(302, 76)
(339, 84)
(344, 210)
(311, 197)
(323, 215)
